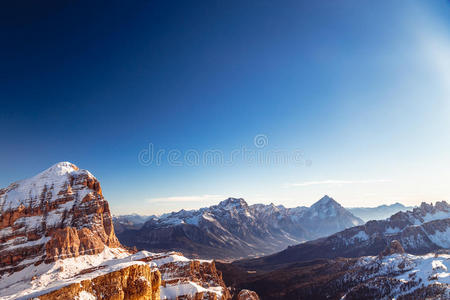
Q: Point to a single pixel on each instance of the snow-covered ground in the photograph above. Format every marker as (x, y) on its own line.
(188, 288)
(33, 281)
(411, 271)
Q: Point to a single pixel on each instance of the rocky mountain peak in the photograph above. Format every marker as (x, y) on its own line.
(426, 207)
(60, 212)
(439, 206)
(426, 212)
(61, 168)
(327, 207)
(233, 203)
(326, 201)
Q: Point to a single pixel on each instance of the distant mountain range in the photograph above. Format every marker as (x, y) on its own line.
(378, 213)
(233, 229)
(366, 261)
(136, 221)
(422, 230)
(133, 221)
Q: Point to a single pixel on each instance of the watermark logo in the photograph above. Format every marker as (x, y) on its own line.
(260, 141)
(256, 154)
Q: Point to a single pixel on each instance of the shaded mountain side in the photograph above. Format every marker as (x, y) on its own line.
(391, 274)
(189, 240)
(318, 279)
(132, 222)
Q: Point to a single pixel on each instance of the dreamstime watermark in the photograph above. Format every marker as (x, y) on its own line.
(257, 154)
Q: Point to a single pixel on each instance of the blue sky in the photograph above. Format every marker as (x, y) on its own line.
(360, 88)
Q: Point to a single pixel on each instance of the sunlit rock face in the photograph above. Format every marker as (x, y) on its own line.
(58, 213)
(135, 282)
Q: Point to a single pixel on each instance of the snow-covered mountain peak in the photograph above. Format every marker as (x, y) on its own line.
(61, 168)
(325, 202)
(52, 174)
(50, 216)
(54, 178)
(233, 203)
(327, 210)
(429, 212)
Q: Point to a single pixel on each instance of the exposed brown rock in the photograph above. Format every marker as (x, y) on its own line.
(247, 295)
(136, 282)
(203, 273)
(394, 248)
(65, 220)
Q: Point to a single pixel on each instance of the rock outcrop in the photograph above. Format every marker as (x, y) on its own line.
(394, 248)
(199, 279)
(247, 295)
(58, 213)
(136, 282)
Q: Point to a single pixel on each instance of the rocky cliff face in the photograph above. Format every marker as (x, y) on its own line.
(184, 278)
(136, 282)
(59, 213)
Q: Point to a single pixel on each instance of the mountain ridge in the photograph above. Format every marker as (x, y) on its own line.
(421, 230)
(380, 212)
(233, 229)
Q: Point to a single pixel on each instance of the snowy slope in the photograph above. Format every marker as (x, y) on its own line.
(403, 274)
(27, 192)
(37, 280)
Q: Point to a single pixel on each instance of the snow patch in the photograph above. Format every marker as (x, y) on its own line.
(83, 295)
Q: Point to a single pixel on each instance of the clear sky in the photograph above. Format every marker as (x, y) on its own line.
(355, 94)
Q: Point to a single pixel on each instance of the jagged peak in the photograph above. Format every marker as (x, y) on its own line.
(21, 191)
(439, 205)
(59, 170)
(233, 202)
(54, 175)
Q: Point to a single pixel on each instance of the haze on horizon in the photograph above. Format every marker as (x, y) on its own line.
(355, 94)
